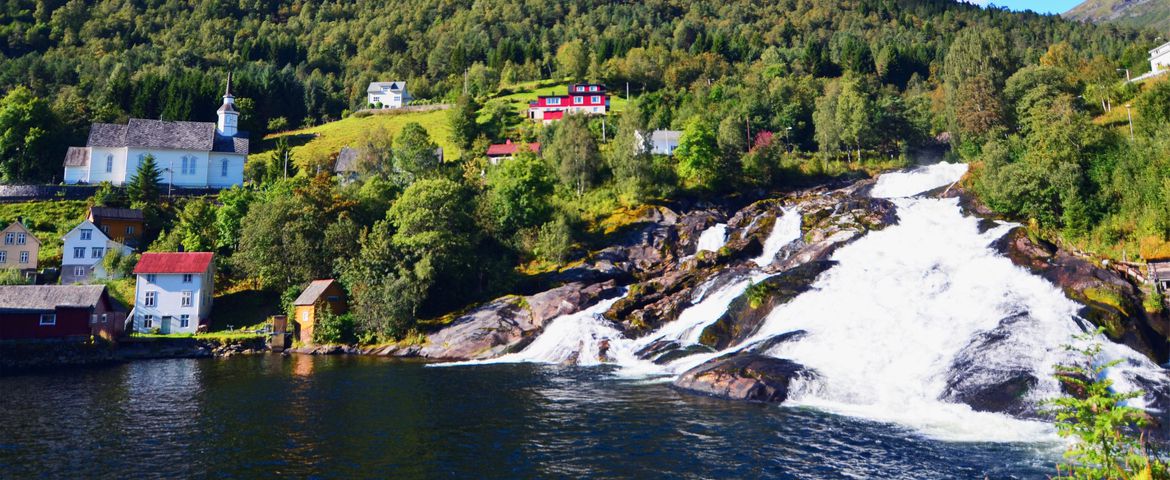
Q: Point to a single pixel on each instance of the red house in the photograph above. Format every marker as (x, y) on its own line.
(585, 98)
(58, 312)
(504, 151)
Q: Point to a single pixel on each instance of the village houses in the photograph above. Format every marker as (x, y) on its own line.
(387, 95)
(58, 312)
(173, 292)
(84, 249)
(319, 294)
(1160, 58)
(188, 154)
(20, 248)
(582, 98)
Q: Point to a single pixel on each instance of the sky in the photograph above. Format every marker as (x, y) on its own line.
(1041, 6)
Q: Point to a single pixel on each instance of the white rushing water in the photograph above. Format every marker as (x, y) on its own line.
(786, 230)
(713, 238)
(885, 325)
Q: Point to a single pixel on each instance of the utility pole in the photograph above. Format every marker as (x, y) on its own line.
(748, 120)
(1129, 113)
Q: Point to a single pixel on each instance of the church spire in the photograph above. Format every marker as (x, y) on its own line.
(228, 116)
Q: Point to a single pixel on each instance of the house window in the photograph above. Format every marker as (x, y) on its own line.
(23, 257)
(148, 321)
(48, 319)
(304, 316)
(105, 228)
(21, 238)
(577, 100)
(97, 252)
(184, 321)
(9, 238)
(105, 317)
(86, 233)
(187, 298)
(593, 88)
(187, 277)
(332, 299)
(130, 230)
(109, 163)
(553, 101)
(595, 99)
(150, 278)
(79, 271)
(78, 252)
(3, 256)
(151, 298)
(223, 168)
(93, 319)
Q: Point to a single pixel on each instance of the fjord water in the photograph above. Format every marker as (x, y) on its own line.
(349, 417)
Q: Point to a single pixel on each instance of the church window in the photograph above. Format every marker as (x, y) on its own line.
(109, 163)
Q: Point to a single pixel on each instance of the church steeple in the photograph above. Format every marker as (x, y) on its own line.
(228, 116)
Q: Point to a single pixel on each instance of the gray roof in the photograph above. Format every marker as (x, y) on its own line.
(376, 87)
(46, 298)
(313, 292)
(77, 157)
(115, 213)
(669, 136)
(346, 160)
(143, 133)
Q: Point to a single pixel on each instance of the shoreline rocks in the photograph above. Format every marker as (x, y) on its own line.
(744, 376)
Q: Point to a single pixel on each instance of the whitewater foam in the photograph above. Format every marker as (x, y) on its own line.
(785, 231)
(922, 179)
(713, 238)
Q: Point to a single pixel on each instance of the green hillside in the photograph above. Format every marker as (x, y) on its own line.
(328, 138)
(1153, 14)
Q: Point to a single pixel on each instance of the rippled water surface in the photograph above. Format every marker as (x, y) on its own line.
(340, 417)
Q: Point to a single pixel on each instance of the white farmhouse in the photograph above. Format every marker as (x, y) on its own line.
(661, 142)
(189, 154)
(387, 94)
(81, 257)
(1160, 58)
(173, 292)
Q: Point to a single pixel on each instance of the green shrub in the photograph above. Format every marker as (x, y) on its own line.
(554, 241)
(332, 329)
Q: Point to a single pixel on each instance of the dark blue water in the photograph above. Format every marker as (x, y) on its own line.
(344, 417)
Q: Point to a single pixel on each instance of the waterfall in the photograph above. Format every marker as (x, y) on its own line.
(786, 230)
(885, 327)
(713, 238)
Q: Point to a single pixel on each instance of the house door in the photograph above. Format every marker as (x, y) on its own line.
(167, 325)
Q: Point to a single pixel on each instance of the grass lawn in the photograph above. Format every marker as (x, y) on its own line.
(327, 139)
(48, 220)
(523, 93)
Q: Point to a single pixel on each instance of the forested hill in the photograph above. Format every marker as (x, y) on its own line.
(301, 63)
(1153, 14)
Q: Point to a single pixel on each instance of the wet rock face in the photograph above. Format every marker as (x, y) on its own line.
(749, 377)
(1110, 300)
(746, 313)
(509, 323)
(993, 372)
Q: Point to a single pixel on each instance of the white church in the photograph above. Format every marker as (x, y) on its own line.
(188, 154)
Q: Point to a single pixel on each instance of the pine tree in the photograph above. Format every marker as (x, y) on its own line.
(144, 185)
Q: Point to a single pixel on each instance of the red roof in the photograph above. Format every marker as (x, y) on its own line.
(174, 262)
(509, 148)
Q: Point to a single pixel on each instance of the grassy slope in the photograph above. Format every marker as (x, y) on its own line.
(1151, 13)
(329, 138)
(48, 220)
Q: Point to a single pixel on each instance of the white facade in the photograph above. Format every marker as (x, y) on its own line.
(388, 94)
(81, 256)
(182, 168)
(172, 302)
(1160, 58)
(661, 142)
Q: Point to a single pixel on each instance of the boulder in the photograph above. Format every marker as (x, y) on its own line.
(744, 376)
(746, 313)
(509, 323)
(993, 373)
(1110, 300)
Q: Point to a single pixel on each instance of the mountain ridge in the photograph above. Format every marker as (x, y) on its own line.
(1136, 13)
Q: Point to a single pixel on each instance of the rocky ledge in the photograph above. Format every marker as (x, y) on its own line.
(746, 376)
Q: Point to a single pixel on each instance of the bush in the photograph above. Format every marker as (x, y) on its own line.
(12, 276)
(554, 241)
(332, 329)
(1108, 444)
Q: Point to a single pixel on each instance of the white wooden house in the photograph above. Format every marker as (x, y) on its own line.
(173, 292)
(81, 256)
(387, 95)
